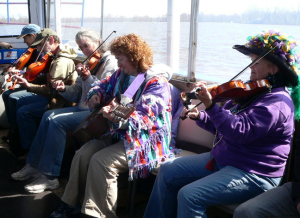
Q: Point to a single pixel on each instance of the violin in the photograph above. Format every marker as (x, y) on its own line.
(93, 61)
(38, 67)
(23, 60)
(234, 89)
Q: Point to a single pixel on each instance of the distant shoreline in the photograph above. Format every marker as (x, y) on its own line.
(281, 17)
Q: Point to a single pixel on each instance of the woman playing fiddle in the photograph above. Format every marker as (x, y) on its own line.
(10, 97)
(47, 149)
(251, 144)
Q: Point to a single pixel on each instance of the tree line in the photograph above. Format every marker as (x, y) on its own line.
(251, 16)
(254, 16)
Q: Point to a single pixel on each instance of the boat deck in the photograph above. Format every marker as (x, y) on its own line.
(15, 202)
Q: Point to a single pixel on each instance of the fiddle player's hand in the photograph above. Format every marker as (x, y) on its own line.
(7, 69)
(59, 85)
(82, 71)
(94, 101)
(14, 72)
(109, 114)
(203, 94)
(192, 114)
(85, 74)
(79, 67)
(22, 81)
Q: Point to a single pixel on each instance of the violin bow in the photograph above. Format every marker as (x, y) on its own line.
(47, 37)
(261, 56)
(65, 79)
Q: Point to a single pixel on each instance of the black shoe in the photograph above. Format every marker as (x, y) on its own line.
(65, 210)
(15, 146)
(8, 136)
(82, 215)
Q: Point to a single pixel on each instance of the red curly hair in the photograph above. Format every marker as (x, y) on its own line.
(138, 52)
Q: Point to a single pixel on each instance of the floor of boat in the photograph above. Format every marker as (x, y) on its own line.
(16, 202)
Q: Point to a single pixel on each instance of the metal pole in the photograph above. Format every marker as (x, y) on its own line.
(173, 35)
(57, 17)
(82, 13)
(102, 12)
(193, 40)
(7, 11)
(48, 14)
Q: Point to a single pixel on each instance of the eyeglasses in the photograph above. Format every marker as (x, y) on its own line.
(85, 45)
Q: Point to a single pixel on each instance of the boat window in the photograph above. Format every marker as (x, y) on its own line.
(145, 18)
(227, 23)
(13, 17)
(221, 25)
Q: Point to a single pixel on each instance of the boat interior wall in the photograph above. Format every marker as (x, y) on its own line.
(188, 131)
(16, 43)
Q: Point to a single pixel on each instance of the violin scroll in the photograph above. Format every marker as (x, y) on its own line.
(186, 97)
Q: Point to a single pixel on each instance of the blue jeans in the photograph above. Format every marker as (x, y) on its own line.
(29, 113)
(47, 150)
(185, 188)
(277, 202)
(10, 99)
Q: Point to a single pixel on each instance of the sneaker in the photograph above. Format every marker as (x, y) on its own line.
(41, 184)
(26, 173)
(64, 210)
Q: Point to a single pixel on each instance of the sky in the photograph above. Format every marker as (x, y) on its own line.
(154, 8)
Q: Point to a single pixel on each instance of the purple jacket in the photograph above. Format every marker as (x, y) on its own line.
(256, 139)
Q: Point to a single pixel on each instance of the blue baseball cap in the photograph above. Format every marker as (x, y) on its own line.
(29, 29)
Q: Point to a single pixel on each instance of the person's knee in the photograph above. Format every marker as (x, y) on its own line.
(167, 173)
(85, 153)
(5, 95)
(102, 159)
(47, 115)
(186, 197)
(21, 112)
(167, 169)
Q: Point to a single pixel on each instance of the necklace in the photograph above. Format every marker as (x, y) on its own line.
(233, 110)
(214, 144)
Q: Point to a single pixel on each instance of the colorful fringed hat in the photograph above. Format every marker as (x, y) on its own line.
(286, 56)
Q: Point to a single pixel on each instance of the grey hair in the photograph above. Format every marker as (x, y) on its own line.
(87, 33)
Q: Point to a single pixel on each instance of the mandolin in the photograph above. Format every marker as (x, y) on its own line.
(95, 125)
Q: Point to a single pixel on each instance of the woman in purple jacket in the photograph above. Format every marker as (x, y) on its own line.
(252, 138)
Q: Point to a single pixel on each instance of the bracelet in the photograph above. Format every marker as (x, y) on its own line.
(197, 118)
(211, 106)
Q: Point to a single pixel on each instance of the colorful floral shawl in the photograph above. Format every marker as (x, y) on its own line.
(147, 134)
